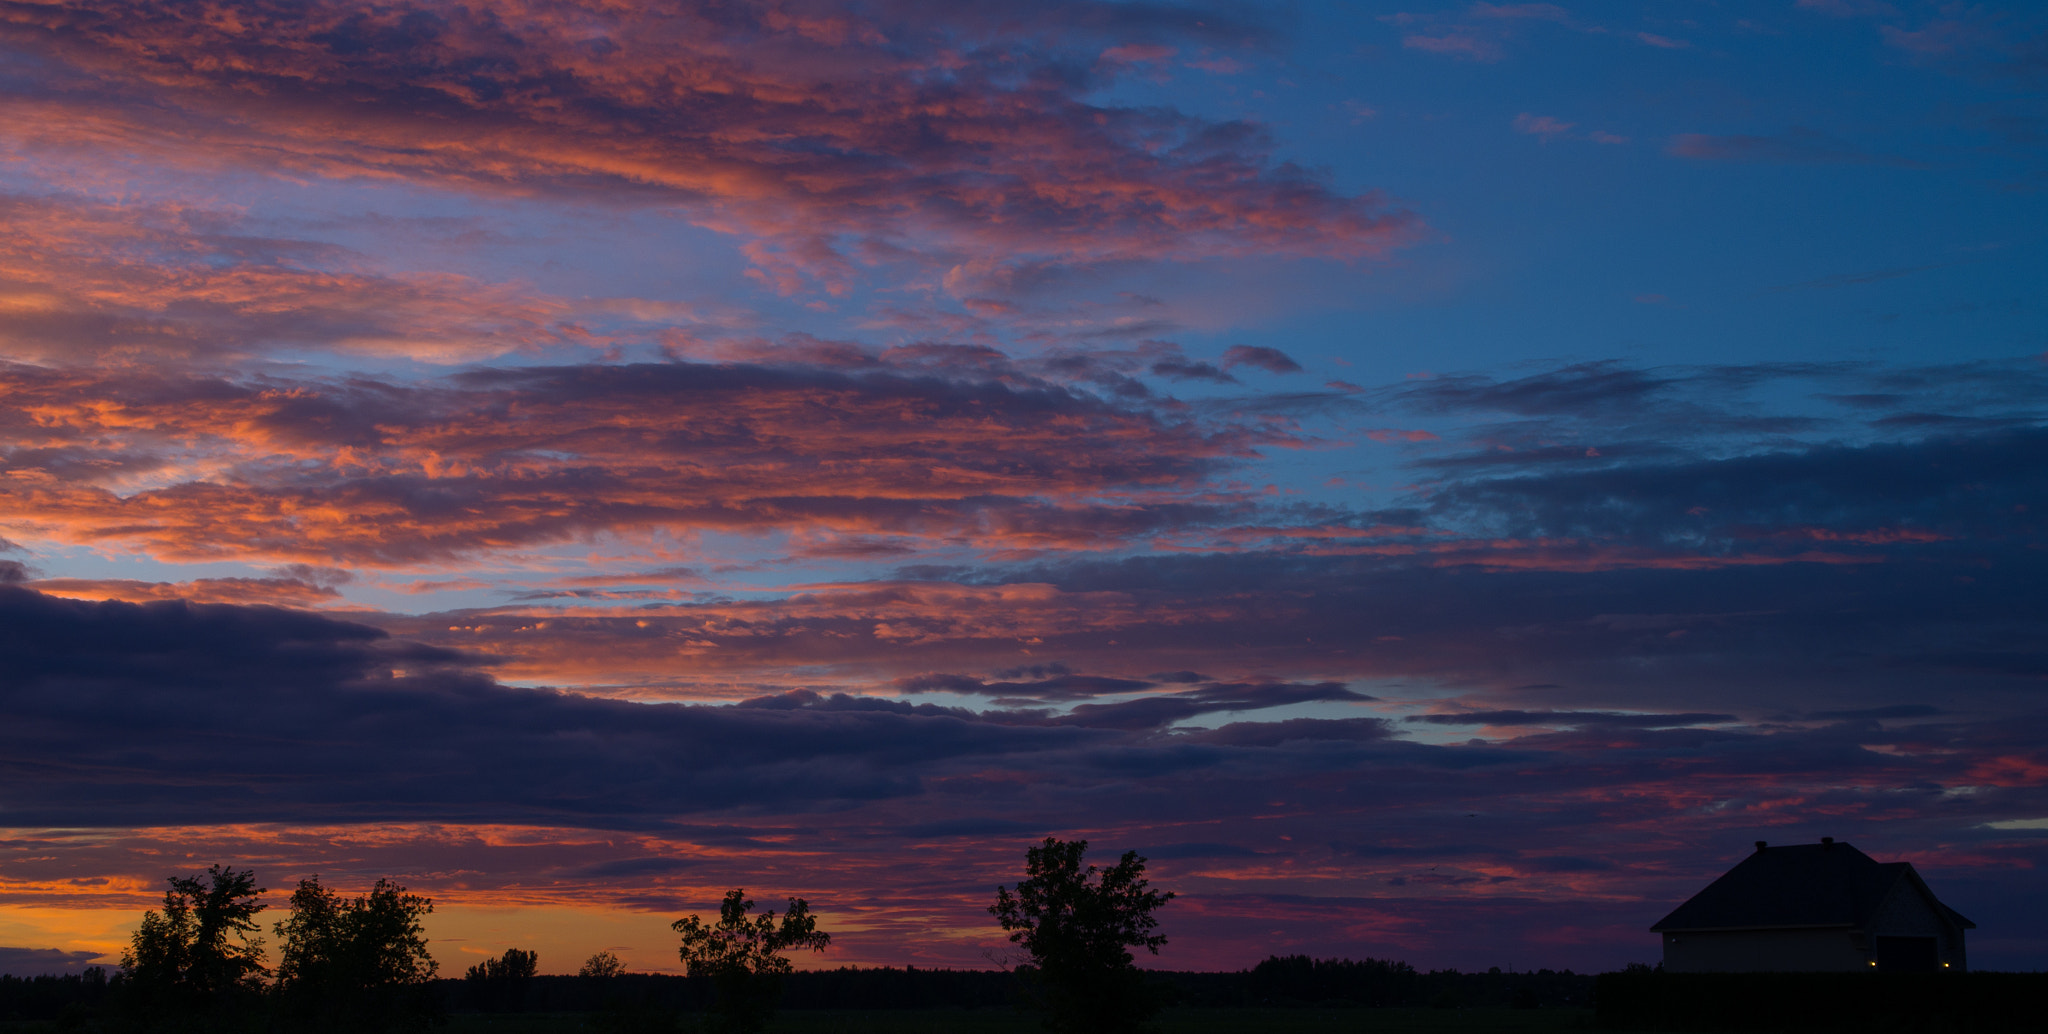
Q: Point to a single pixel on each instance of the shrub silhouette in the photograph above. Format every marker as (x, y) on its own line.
(742, 956)
(499, 985)
(1077, 926)
(601, 966)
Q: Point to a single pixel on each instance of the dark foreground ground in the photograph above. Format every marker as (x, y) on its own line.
(1173, 1021)
(990, 1021)
(1280, 996)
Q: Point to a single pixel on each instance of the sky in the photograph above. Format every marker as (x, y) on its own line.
(1438, 481)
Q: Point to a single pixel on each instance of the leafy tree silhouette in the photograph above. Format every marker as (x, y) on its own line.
(194, 965)
(499, 985)
(601, 966)
(355, 964)
(742, 956)
(1077, 926)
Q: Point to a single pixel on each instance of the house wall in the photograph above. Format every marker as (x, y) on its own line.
(1759, 951)
(1906, 912)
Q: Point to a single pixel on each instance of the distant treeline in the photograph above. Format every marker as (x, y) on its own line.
(54, 997)
(1291, 981)
(1277, 982)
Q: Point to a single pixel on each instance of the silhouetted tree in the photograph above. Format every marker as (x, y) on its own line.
(499, 985)
(194, 965)
(743, 956)
(1077, 926)
(355, 964)
(601, 966)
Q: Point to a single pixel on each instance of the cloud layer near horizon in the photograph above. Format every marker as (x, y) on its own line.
(267, 725)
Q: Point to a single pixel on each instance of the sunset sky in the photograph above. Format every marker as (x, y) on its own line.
(1440, 481)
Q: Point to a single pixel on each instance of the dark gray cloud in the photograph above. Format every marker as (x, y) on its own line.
(173, 712)
(124, 714)
(1584, 390)
(1573, 719)
(30, 962)
(1174, 852)
(1271, 360)
(632, 867)
(1055, 689)
(1628, 412)
(1961, 486)
(1876, 713)
(1832, 577)
(1187, 370)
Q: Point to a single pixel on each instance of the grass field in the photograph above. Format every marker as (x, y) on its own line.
(1185, 1021)
(995, 1021)
(1211, 1021)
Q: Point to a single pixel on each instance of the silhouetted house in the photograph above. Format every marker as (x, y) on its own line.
(1808, 907)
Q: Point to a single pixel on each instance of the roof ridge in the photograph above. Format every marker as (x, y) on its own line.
(1829, 884)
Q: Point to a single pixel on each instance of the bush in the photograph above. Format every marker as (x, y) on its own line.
(499, 985)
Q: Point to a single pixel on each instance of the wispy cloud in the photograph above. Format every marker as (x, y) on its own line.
(377, 472)
(808, 165)
(1798, 146)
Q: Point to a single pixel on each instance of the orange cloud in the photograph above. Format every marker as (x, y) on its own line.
(377, 473)
(147, 283)
(284, 592)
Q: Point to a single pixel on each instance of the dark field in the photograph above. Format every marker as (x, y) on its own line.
(1174, 1021)
(849, 1001)
(997, 1021)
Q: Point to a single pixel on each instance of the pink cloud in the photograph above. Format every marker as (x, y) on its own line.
(289, 592)
(1137, 53)
(1541, 125)
(91, 280)
(379, 473)
(1849, 8)
(1797, 146)
(1521, 12)
(1455, 44)
(799, 149)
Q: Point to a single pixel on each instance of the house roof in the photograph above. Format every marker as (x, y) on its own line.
(1828, 884)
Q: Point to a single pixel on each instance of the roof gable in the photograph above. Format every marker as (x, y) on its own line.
(1828, 884)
